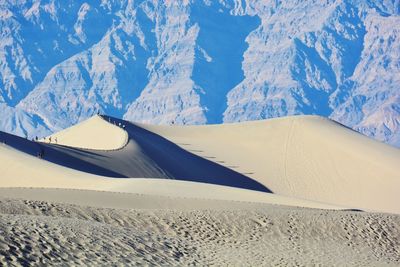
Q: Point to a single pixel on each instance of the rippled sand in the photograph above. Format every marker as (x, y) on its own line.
(39, 232)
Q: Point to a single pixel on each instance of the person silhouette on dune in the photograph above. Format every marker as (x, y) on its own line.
(41, 153)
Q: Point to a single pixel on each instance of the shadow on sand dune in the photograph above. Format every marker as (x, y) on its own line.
(147, 155)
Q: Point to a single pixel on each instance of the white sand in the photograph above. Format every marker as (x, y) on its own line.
(46, 233)
(307, 157)
(21, 170)
(50, 214)
(94, 133)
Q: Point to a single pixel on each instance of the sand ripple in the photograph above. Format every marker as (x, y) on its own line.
(38, 232)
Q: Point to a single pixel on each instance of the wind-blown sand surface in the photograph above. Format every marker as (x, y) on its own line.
(268, 193)
(49, 233)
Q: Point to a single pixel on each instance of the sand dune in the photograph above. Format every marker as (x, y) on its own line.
(146, 155)
(37, 173)
(272, 192)
(303, 156)
(94, 133)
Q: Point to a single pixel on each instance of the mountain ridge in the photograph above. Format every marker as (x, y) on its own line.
(197, 62)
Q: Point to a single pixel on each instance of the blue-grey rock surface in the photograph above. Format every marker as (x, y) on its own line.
(196, 62)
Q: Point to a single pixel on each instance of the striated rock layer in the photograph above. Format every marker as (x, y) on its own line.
(196, 62)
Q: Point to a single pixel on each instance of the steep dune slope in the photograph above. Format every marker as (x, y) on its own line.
(303, 156)
(145, 155)
(20, 170)
(90, 134)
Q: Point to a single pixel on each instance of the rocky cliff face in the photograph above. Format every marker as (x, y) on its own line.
(198, 62)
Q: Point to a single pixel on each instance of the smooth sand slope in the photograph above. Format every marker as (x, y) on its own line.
(303, 156)
(20, 170)
(91, 134)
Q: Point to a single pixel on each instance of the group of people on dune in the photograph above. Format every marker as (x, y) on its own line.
(40, 154)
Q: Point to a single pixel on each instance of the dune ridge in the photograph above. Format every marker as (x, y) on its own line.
(308, 157)
(91, 134)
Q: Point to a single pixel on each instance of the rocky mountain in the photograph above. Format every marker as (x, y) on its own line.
(199, 61)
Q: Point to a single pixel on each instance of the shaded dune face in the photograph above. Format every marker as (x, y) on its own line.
(146, 155)
(66, 156)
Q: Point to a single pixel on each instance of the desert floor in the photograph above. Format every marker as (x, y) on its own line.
(41, 232)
